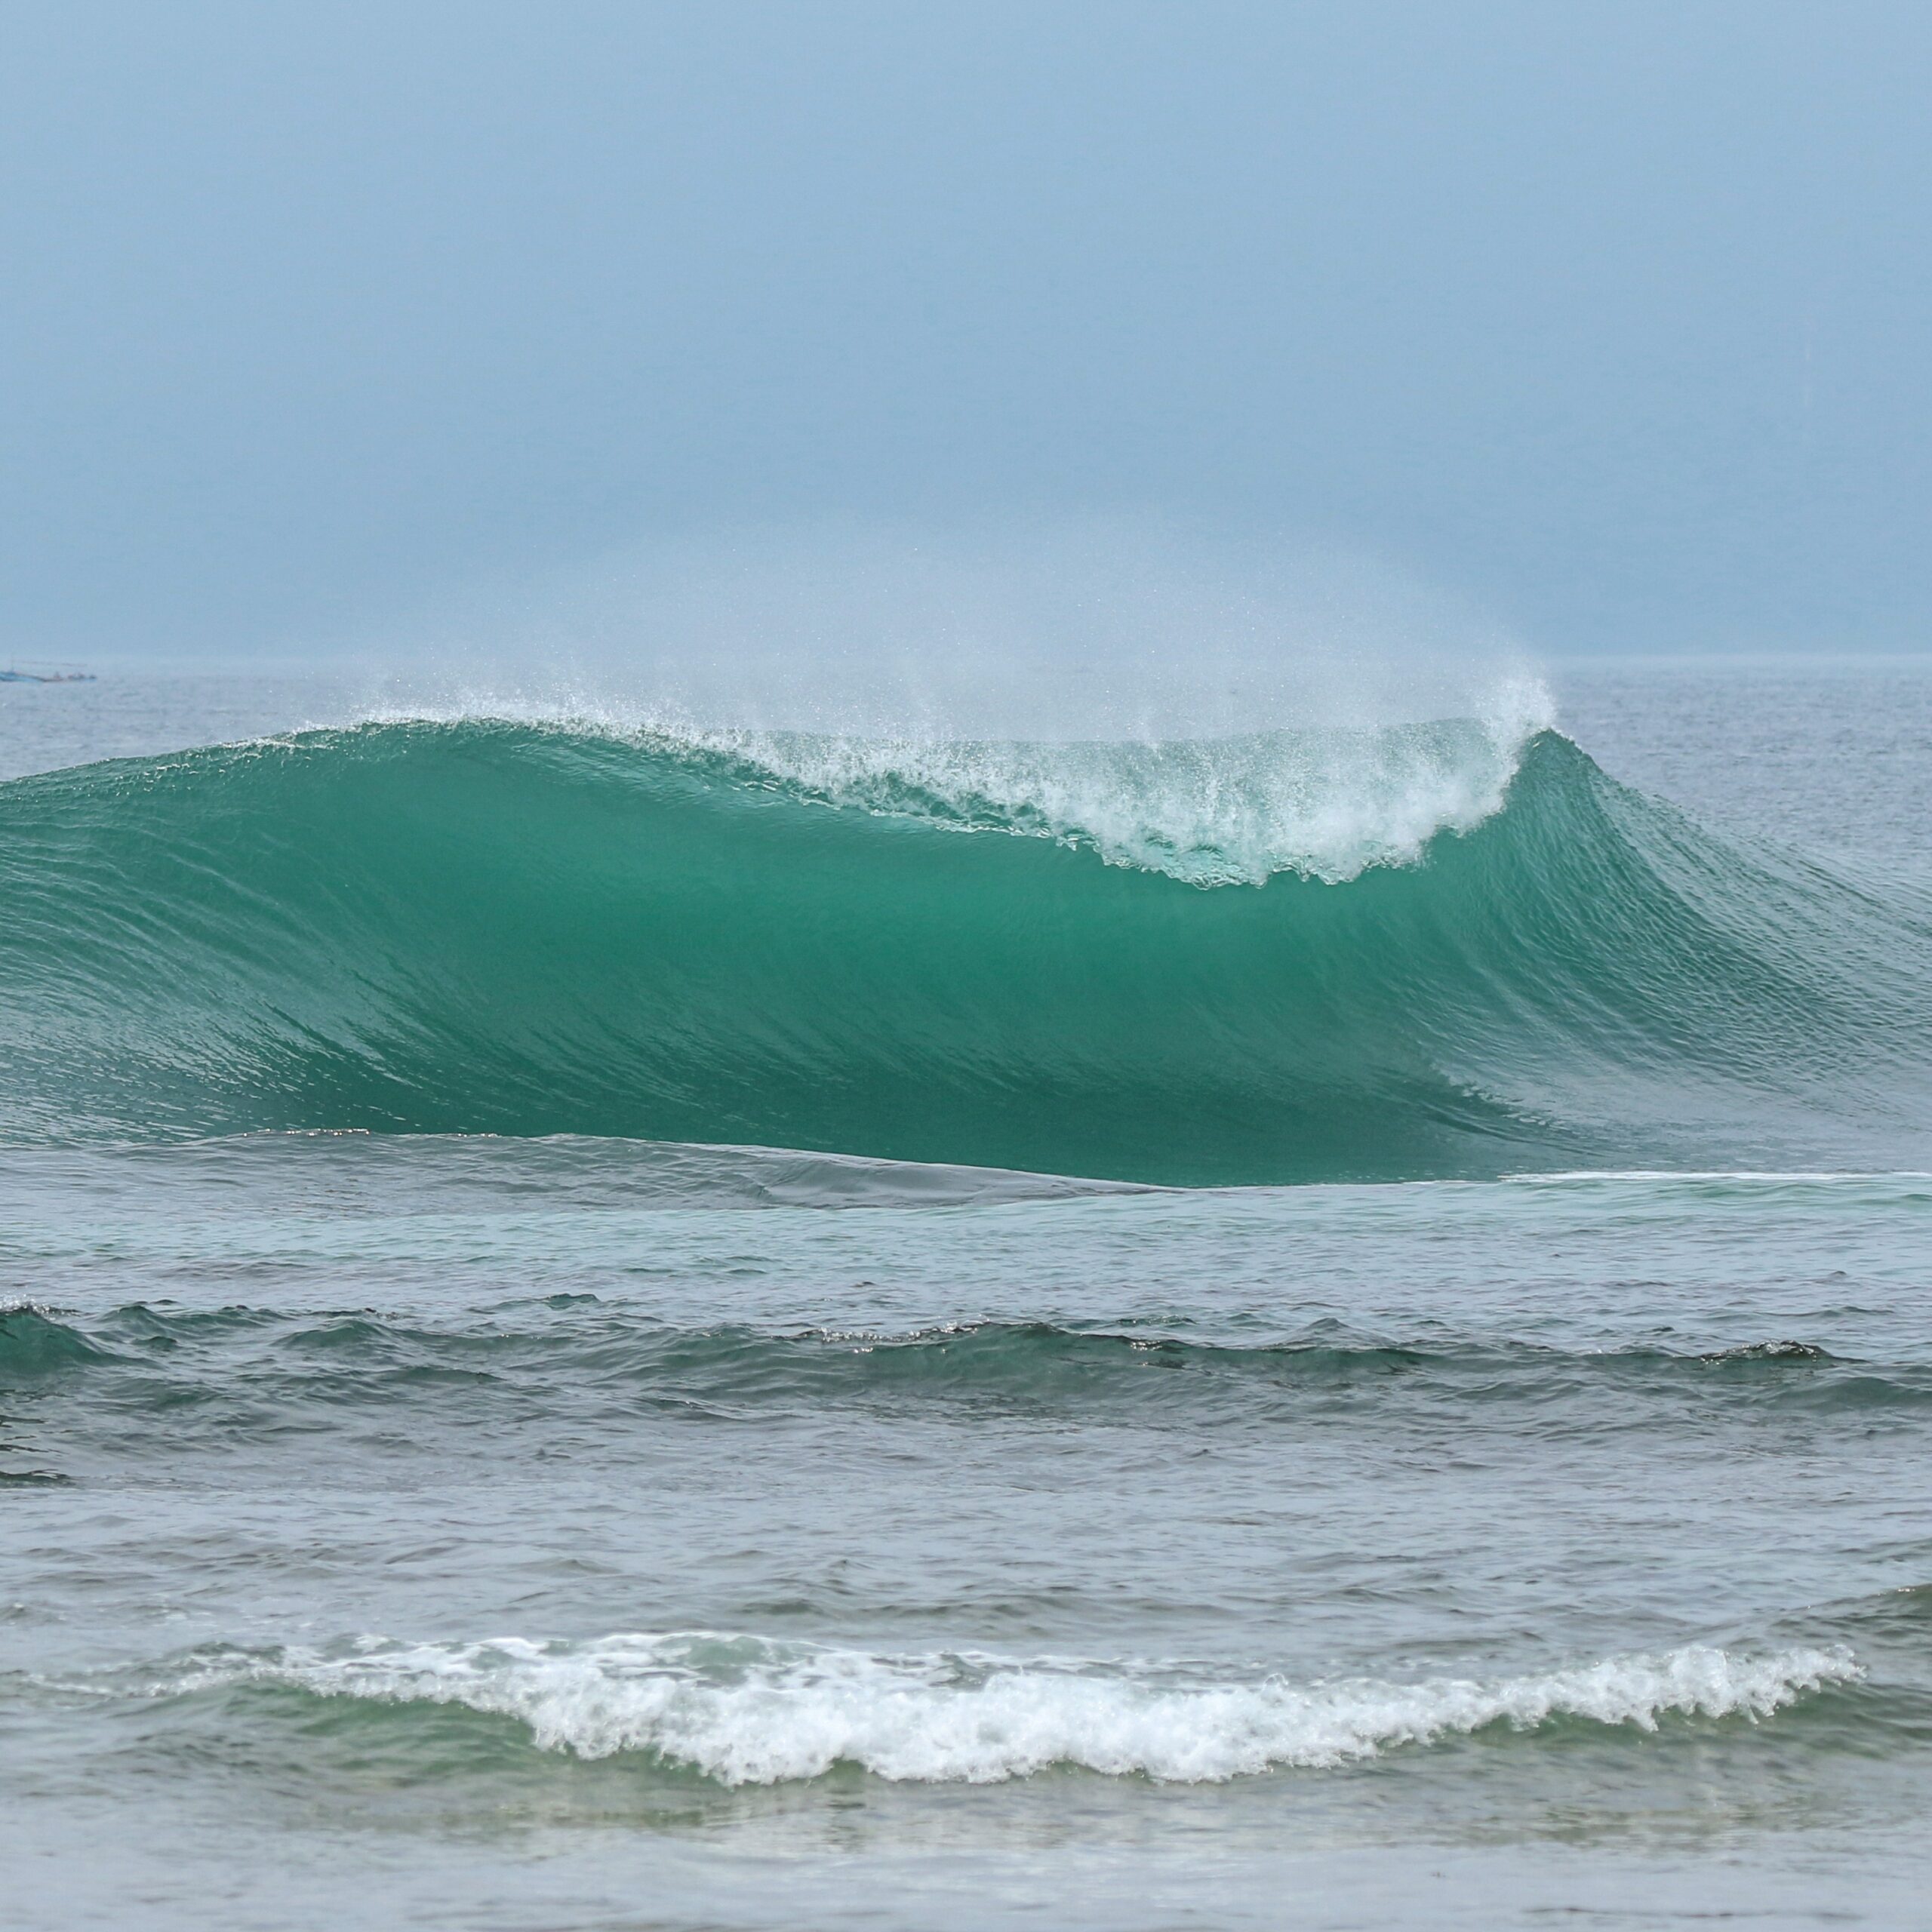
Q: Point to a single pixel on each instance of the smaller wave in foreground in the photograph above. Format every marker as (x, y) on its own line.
(742, 1710)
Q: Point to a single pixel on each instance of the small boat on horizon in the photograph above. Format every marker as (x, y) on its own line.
(45, 674)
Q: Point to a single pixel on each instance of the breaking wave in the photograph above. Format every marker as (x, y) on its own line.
(1450, 949)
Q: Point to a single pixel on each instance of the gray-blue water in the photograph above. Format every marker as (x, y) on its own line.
(407, 1529)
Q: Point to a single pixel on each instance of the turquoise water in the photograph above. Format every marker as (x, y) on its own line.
(604, 1328)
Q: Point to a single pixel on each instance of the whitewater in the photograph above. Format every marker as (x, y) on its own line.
(612, 1319)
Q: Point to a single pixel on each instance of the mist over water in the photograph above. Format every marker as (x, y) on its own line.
(1104, 629)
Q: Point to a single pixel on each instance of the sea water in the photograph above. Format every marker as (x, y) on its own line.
(607, 1325)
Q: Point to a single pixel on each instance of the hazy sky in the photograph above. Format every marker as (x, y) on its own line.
(1610, 318)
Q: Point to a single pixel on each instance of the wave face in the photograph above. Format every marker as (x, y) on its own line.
(1426, 952)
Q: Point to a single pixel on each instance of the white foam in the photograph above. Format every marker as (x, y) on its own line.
(744, 1711)
(1328, 803)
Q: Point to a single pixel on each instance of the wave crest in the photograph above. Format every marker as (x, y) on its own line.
(1326, 804)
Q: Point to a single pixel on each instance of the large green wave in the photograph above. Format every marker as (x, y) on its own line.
(482, 927)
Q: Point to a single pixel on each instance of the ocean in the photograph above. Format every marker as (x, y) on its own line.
(605, 1324)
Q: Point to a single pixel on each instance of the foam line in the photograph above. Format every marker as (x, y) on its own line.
(744, 1711)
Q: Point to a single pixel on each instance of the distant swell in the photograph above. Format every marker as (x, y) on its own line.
(238, 1370)
(745, 1711)
(1271, 959)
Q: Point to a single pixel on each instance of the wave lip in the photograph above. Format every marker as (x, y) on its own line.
(742, 1710)
(1326, 804)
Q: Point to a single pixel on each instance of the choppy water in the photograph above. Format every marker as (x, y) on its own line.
(1456, 1453)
